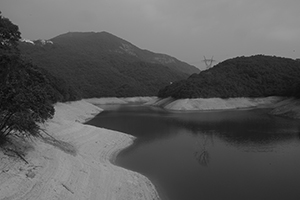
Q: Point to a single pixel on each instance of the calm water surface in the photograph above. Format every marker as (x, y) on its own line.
(210, 155)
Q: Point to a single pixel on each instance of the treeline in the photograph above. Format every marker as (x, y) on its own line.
(59, 89)
(254, 76)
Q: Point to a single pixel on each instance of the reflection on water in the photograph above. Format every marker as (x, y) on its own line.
(210, 155)
(201, 153)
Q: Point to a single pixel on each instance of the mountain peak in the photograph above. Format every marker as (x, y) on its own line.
(101, 64)
(87, 36)
(107, 43)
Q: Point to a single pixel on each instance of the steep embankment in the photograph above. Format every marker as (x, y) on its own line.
(115, 100)
(82, 171)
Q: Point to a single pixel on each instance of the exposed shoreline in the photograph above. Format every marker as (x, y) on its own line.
(90, 174)
(214, 104)
(200, 104)
(280, 106)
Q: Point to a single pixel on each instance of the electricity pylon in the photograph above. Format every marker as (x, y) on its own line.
(209, 62)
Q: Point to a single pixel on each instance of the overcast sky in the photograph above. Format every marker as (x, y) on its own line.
(185, 29)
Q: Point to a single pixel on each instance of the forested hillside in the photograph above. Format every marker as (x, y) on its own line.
(103, 65)
(254, 76)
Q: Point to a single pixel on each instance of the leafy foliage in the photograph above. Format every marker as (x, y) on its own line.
(254, 76)
(9, 36)
(25, 99)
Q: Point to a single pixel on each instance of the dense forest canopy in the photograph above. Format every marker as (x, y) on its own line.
(103, 65)
(254, 76)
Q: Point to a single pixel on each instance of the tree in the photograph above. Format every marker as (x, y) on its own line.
(24, 99)
(9, 36)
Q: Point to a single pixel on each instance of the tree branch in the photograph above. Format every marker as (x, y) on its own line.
(6, 118)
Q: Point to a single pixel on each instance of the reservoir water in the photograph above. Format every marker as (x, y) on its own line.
(236, 155)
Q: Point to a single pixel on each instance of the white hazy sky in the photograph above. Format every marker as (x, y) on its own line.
(185, 29)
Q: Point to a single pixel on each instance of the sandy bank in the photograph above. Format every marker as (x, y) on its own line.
(214, 103)
(86, 175)
(287, 108)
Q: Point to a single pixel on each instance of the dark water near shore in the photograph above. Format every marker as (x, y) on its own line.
(210, 155)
